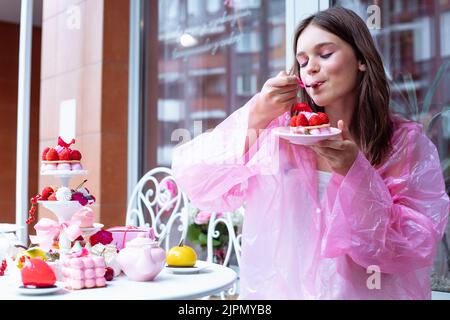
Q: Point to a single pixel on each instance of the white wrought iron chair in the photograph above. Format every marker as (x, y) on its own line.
(234, 245)
(158, 202)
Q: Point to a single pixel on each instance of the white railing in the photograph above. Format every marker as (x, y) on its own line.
(158, 202)
(234, 245)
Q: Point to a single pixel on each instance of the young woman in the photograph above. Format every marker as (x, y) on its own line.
(353, 218)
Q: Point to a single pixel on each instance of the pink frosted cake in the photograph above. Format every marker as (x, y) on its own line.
(82, 270)
(61, 157)
(305, 121)
(85, 216)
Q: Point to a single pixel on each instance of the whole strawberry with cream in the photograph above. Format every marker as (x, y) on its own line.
(305, 121)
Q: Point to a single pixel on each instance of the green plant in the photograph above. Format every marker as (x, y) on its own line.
(429, 117)
(422, 112)
(411, 108)
(199, 225)
(198, 234)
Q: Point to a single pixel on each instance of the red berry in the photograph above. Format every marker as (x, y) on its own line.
(323, 117)
(46, 192)
(52, 197)
(3, 267)
(52, 155)
(315, 120)
(109, 274)
(44, 153)
(293, 122)
(75, 155)
(64, 155)
(302, 121)
(302, 107)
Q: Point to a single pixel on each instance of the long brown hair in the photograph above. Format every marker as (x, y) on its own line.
(371, 124)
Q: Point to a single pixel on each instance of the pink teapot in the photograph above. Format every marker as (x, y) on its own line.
(142, 259)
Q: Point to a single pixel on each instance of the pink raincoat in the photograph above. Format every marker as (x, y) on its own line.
(387, 219)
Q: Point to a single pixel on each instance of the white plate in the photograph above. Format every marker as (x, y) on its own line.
(95, 227)
(87, 232)
(40, 291)
(9, 227)
(199, 265)
(304, 139)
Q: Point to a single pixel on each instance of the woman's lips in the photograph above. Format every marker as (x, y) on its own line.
(315, 85)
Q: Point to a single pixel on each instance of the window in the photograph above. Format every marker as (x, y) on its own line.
(213, 6)
(412, 52)
(246, 84)
(422, 39)
(204, 59)
(445, 34)
(250, 42)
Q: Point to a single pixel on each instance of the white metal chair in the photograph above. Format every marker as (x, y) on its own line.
(234, 245)
(158, 202)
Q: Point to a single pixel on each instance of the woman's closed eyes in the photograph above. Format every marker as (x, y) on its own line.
(323, 56)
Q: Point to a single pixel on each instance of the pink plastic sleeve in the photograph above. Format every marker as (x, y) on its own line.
(213, 170)
(390, 217)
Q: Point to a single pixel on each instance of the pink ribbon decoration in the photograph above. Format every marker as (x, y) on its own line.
(48, 229)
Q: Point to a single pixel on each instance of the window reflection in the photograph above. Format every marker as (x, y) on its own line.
(414, 42)
(213, 56)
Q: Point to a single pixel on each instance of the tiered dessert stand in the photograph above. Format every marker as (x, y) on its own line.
(64, 210)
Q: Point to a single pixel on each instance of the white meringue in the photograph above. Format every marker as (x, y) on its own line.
(63, 194)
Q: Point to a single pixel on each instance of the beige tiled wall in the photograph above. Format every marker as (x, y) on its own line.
(90, 65)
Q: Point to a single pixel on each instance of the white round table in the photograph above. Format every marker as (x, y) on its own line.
(211, 280)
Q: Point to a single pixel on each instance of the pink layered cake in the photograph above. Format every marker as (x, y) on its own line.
(82, 270)
(305, 121)
(61, 157)
(85, 216)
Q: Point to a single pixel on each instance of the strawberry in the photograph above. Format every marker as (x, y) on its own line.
(75, 155)
(65, 154)
(52, 197)
(302, 121)
(323, 117)
(315, 120)
(52, 155)
(293, 122)
(46, 192)
(44, 153)
(302, 107)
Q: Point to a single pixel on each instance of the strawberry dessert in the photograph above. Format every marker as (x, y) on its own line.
(305, 121)
(61, 157)
(37, 273)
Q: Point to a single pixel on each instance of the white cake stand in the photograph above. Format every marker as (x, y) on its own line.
(64, 211)
(64, 175)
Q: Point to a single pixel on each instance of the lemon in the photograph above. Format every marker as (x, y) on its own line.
(36, 252)
(181, 256)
